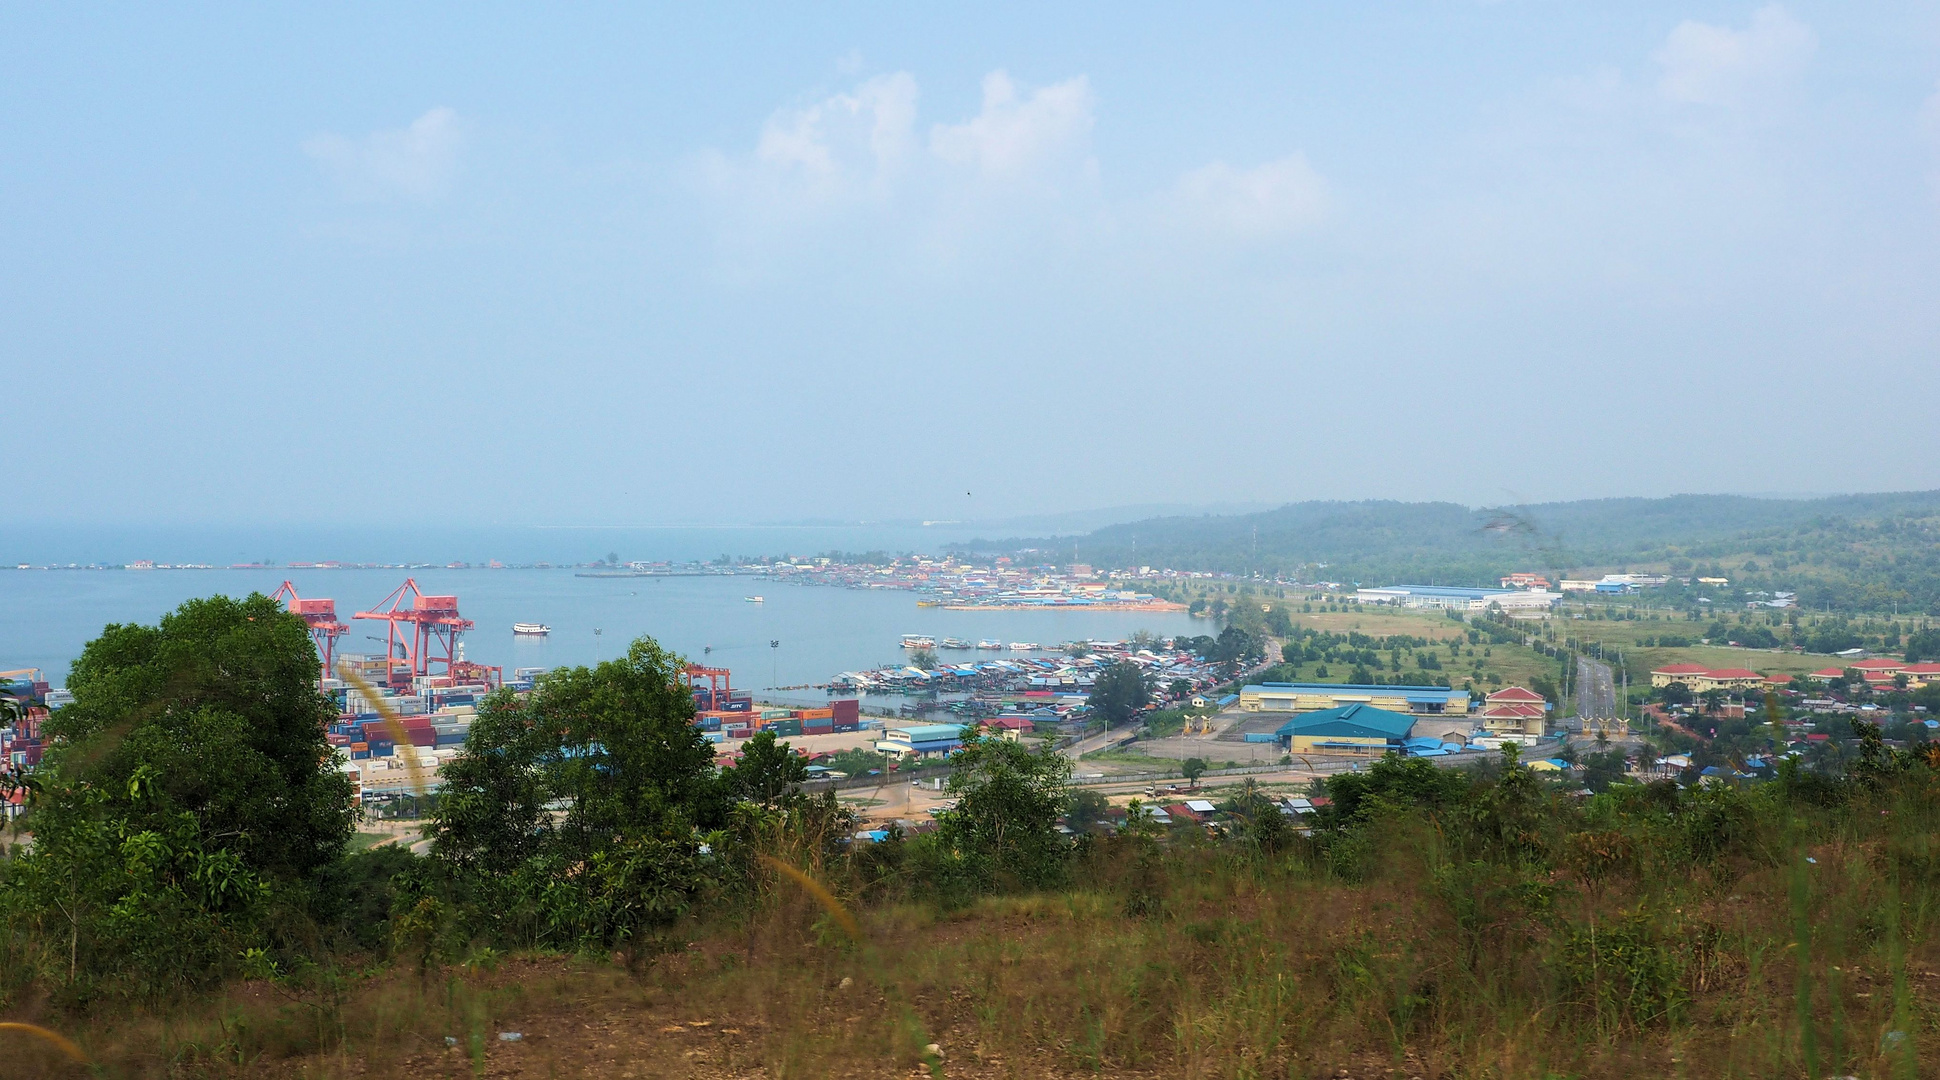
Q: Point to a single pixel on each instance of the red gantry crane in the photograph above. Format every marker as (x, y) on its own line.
(321, 617)
(719, 686)
(434, 627)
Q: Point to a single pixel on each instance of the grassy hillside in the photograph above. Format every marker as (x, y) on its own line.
(1435, 925)
(1844, 553)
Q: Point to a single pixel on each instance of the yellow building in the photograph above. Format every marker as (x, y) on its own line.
(1314, 697)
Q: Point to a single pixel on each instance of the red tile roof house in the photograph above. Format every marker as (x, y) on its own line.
(1513, 710)
(1670, 673)
(1890, 667)
(1918, 675)
(1008, 727)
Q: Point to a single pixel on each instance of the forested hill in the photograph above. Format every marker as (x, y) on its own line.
(1882, 547)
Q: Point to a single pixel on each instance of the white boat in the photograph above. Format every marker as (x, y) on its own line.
(918, 641)
(955, 643)
(531, 629)
(1023, 646)
(752, 599)
(990, 643)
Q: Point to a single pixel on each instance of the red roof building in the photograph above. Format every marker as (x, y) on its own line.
(1670, 673)
(1891, 667)
(1514, 710)
(1700, 678)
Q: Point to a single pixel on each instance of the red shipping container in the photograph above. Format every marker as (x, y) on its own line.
(819, 729)
(847, 710)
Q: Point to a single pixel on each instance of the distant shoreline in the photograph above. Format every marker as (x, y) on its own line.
(1160, 605)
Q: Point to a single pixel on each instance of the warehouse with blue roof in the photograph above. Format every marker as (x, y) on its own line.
(1353, 728)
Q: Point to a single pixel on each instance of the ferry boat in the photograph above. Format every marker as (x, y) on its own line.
(955, 643)
(753, 599)
(531, 629)
(990, 643)
(1023, 646)
(918, 641)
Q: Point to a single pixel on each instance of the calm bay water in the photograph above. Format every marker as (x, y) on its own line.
(46, 616)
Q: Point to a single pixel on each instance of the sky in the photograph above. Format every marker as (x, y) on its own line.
(601, 265)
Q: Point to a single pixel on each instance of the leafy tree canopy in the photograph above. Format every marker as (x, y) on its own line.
(1119, 693)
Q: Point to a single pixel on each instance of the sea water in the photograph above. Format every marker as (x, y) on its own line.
(799, 635)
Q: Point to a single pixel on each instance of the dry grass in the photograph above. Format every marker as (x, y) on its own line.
(1228, 967)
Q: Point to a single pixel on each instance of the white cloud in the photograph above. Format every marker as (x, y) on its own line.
(1012, 137)
(861, 135)
(1273, 199)
(1717, 65)
(414, 162)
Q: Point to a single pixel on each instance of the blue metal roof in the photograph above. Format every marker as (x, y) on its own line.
(1356, 721)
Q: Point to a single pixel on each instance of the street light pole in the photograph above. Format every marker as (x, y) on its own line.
(774, 651)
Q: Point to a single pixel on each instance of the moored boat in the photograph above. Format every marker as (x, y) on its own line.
(531, 629)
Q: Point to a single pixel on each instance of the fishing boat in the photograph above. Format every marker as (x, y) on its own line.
(918, 641)
(753, 599)
(531, 629)
(955, 643)
(1023, 646)
(990, 643)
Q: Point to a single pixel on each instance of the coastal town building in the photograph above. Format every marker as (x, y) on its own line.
(1698, 678)
(1514, 710)
(1313, 697)
(1354, 728)
(1456, 598)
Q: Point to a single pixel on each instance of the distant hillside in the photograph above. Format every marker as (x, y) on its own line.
(1845, 552)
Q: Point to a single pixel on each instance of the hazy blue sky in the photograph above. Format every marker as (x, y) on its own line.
(549, 264)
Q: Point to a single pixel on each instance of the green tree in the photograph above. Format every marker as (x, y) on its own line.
(628, 785)
(187, 794)
(769, 773)
(1236, 646)
(1003, 829)
(1088, 810)
(1119, 693)
(923, 659)
(1193, 768)
(493, 793)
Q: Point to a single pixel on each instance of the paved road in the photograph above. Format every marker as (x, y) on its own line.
(1596, 689)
